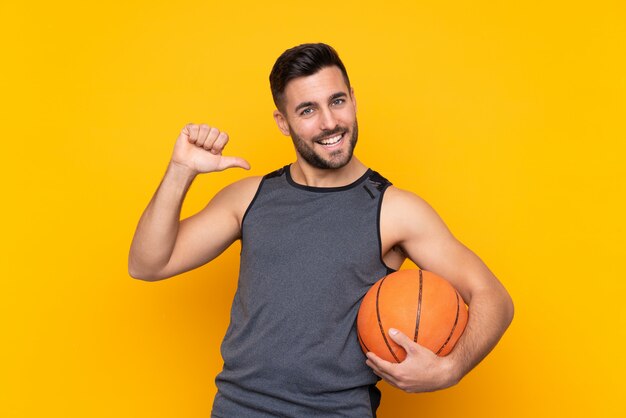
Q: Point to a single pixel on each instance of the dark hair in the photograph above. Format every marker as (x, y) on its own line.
(300, 61)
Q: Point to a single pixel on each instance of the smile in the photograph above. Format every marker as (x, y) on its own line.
(331, 141)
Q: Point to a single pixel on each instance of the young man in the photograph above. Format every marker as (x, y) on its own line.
(315, 234)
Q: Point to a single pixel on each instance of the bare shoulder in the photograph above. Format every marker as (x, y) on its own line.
(235, 198)
(404, 212)
(244, 187)
(400, 203)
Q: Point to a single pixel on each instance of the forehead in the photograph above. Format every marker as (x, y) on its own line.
(317, 87)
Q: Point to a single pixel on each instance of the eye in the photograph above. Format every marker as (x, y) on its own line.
(306, 111)
(338, 102)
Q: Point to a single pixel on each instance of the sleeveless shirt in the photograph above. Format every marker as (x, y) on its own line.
(308, 256)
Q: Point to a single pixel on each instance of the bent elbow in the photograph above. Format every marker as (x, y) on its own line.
(142, 275)
(509, 308)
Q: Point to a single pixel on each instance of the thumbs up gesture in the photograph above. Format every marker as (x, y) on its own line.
(199, 147)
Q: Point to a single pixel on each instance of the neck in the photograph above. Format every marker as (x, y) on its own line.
(307, 175)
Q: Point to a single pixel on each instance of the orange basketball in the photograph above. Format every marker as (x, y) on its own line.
(420, 304)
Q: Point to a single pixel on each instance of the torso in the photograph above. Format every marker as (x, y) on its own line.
(392, 252)
(308, 257)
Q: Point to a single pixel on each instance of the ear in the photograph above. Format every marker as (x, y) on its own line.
(353, 98)
(281, 122)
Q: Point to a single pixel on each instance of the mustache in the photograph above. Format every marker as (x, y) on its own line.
(331, 132)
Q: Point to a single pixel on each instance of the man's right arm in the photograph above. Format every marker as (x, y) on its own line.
(164, 246)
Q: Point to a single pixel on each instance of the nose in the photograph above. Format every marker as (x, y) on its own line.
(327, 120)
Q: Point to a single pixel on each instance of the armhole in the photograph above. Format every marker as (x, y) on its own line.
(245, 214)
(380, 238)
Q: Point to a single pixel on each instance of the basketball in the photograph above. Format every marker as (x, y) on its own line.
(420, 304)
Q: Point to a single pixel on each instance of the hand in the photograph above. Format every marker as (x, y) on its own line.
(199, 148)
(421, 371)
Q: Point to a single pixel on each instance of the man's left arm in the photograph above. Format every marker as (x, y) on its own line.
(409, 222)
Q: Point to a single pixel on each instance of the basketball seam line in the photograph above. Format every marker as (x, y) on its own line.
(380, 324)
(456, 320)
(419, 307)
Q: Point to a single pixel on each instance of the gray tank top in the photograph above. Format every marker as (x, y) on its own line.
(308, 257)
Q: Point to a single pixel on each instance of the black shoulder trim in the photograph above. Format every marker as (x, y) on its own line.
(381, 184)
(245, 214)
(276, 173)
(378, 181)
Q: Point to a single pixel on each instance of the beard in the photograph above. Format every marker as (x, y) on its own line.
(337, 159)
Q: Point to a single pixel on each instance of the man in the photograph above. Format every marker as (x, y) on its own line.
(316, 234)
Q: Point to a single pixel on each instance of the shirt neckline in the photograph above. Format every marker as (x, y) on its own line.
(315, 189)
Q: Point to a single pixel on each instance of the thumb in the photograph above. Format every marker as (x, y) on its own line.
(230, 162)
(405, 342)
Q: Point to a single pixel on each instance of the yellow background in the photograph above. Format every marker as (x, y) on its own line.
(507, 118)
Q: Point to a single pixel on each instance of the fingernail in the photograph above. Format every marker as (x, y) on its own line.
(393, 331)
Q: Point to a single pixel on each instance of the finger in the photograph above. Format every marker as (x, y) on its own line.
(405, 342)
(376, 369)
(212, 136)
(185, 132)
(389, 378)
(203, 132)
(192, 131)
(378, 372)
(230, 162)
(220, 143)
(381, 364)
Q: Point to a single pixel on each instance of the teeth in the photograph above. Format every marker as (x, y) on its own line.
(331, 141)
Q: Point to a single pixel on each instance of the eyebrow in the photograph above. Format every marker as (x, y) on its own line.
(331, 98)
(303, 104)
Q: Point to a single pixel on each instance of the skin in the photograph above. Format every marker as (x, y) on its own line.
(315, 108)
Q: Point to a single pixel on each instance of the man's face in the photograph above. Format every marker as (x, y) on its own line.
(320, 115)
